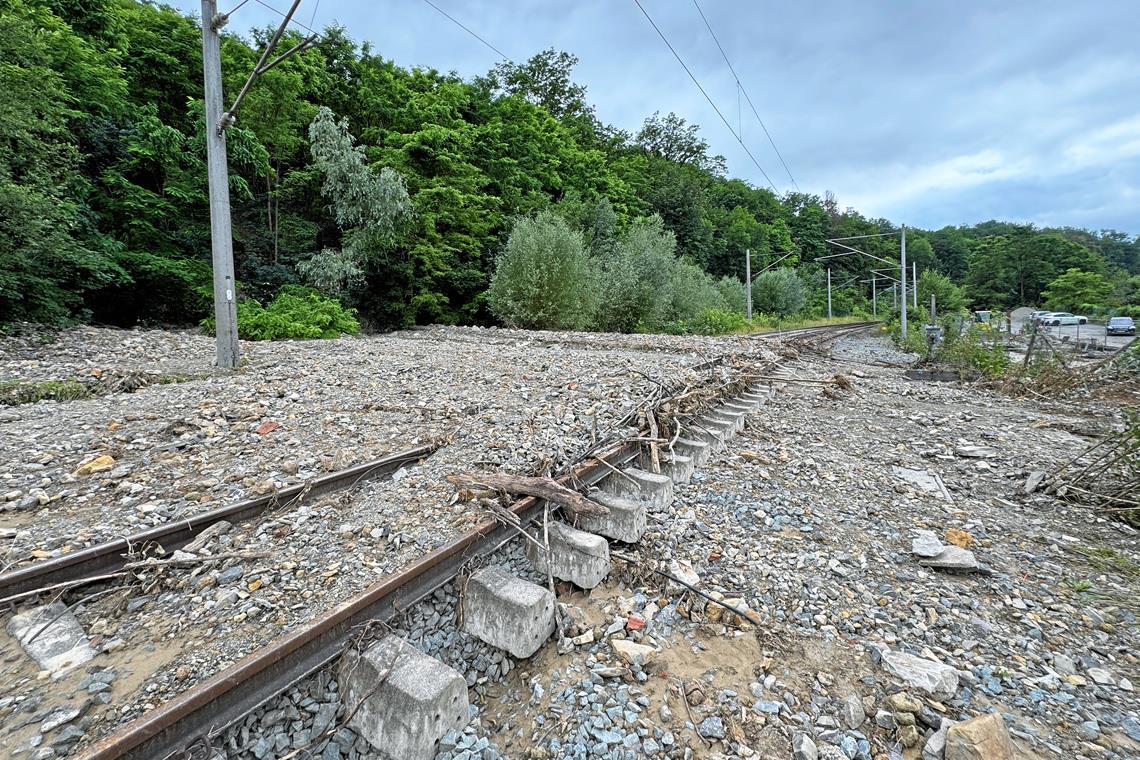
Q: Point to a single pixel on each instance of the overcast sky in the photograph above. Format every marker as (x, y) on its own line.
(927, 112)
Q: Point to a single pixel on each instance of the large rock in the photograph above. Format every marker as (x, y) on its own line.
(953, 558)
(632, 652)
(981, 738)
(926, 544)
(936, 679)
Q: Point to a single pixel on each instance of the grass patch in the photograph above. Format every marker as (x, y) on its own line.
(14, 392)
(17, 392)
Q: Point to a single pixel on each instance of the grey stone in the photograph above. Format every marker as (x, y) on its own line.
(803, 748)
(711, 727)
(852, 712)
(1089, 730)
(936, 744)
(52, 637)
(953, 558)
(936, 679)
(923, 480)
(408, 701)
(575, 555)
(508, 612)
(926, 544)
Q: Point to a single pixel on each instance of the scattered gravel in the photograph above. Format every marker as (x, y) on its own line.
(848, 647)
(83, 471)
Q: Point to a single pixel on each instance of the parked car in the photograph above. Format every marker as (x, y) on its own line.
(1120, 326)
(1037, 316)
(1063, 318)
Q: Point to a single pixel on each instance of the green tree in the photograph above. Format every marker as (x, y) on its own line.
(948, 297)
(1075, 290)
(369, 207)
(544, 279)
(779, 292)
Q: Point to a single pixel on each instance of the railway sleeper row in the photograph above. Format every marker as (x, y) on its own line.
(405, 701)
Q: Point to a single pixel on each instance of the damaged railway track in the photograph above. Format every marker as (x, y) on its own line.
(210, 707)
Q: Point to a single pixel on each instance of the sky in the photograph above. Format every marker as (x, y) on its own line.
(926, 112)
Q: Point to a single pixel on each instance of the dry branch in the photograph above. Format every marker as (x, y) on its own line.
(542, 488)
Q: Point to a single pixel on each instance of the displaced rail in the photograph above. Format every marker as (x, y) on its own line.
(225, 698)
(222, 700)
(95, 561)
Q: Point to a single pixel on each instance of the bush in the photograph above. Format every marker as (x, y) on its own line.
(635, 276)
(974, 346)
(719, 322)
(544, 278)
(297, 313)
(778, 292)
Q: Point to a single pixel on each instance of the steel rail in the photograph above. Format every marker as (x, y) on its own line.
(222, 700)
(812, 330)
(103, 558)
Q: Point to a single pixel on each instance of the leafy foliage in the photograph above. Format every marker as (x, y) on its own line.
(1075, 289)
(401, 203)
(297, 313)
(779, 292)
(543, 279)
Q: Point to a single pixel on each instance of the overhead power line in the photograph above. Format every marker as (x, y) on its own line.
(282, 14)
(702, 89)
(455, 21)
(740, 85)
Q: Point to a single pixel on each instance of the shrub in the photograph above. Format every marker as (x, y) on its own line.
(544, 278)
(779, 292)
(719, 322)
(297, 313)
(634, 278)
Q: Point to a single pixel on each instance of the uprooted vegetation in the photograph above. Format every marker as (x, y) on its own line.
(1105, 476)
(17, 392)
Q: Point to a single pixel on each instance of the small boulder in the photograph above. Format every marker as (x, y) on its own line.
(926, 544)
(936, 679)
(953, 558)
(982, 738)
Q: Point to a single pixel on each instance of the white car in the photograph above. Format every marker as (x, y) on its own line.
(1063, 318)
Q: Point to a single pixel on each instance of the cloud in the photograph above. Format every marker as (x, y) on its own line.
(928, 113)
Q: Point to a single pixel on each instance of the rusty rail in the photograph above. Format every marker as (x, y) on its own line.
(213, 705)
(109, 556)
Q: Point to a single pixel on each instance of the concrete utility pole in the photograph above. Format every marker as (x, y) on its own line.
(933, 311)
(902, 282)
(221, 237)
(874, 297)
(914, 281)
(748, 281)
(829, 292)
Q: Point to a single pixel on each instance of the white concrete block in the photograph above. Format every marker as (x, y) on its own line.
(655, 489)
(507, 612)
(52, 637)
(698, 451)
(410, 700)
(575, 555)
(676, 465)
(627, 520)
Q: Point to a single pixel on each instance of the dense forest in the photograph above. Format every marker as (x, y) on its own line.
(104, 215)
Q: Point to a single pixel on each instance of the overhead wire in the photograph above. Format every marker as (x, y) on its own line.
(740, 85)
(264, 4)
(455, 21)
(702, 89)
